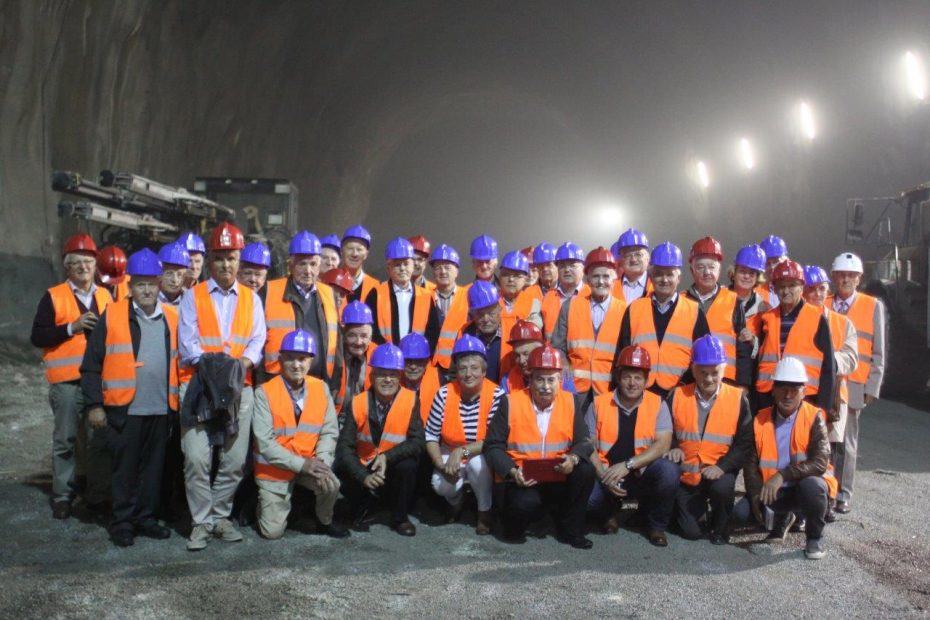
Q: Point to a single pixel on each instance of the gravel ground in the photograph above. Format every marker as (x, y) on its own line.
(878, 561)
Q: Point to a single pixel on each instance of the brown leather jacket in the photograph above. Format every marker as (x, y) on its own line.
(818, 458)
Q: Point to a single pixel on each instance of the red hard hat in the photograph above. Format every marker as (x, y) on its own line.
(708, 246)
(545, 357)
(81, 242)
(634, 356)
(528, 253)
(226, 236)
(788, 270)
(340, 278)
(524, 331)
(111, 264)
(420, 244)
(599, 257)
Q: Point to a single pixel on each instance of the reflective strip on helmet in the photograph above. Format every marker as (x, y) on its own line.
(64, 361)
(725, 440)
(391, 437)
(118, 384)
(687, 436)
(280, 324)
(766, 464)
(676, 339)
(113, 349)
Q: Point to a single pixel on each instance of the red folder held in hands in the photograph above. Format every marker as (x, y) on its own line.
(543, 470)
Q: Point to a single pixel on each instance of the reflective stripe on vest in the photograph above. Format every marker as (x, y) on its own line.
(420, 299)
(524, 440)
(118, 375)
(211, 339)
(591, 357)
(63, 361)
(456, 318)
(396, 424)
(719, 430)
(452, 433)
(607, 423)
(767, 444)
(300, 438)
(720, 322)
(671, 359)
(800, 344)
(280, 320)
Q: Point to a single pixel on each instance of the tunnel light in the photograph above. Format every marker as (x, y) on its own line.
(746, 156)
(703, 176)
(916, 77)
(806, 120)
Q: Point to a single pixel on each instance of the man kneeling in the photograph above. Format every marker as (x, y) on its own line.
(295, 439)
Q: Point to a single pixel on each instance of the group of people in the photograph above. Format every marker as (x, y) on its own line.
(558, 381)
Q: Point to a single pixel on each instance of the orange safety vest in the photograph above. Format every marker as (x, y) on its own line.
(118, 376)
(421, 304)
(524, 440)
(426, 392)
(671, 358)
(339, 400)
(720, 322)
(428, 285)
(620, 294)
(767, 445)
(280, 321)
(702, 449)
(121, 290)
(607, 423)
(552, 305)
(591, 355)
(63, 361)
(838, 324)
(396, 424)
(862, 315)
(369, 283)
(515, 380)
(298, 436)
(523, 304)
(800, 344)
(211, 337)
(452, 433)
(456, 318)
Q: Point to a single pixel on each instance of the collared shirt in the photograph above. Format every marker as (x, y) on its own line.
(773, 297)
(381, 410)
(171, 302)
(783, 429)
(599, 311)
(156, 313)
(663, 308)
(356, 369)
(224, 304)
(443, 301)
(305, 293)
(87, 299)
(561, 293)
(843, 305)
(297, 397)
(404, 300)
(704, 407)
(635, 289)
(703, 300)
(543, 416)
(357, 282)
(663, 418)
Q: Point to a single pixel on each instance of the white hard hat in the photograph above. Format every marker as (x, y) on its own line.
(790, 370)
(847, 261)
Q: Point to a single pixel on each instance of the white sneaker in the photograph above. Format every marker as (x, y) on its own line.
(814, 550)
(199, 538)
(225, 530)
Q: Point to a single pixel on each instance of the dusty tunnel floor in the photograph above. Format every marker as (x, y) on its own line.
(878, 560)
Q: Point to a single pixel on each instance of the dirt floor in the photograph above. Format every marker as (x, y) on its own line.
(878, 561)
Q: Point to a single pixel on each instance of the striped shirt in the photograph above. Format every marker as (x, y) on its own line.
(467, 410)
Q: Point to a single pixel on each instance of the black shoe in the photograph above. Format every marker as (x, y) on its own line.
(578, 542)
(61, 510)
(842, 507)
(359, 520)
(153, 530)
(405, 528)
(657, 538)
(830, 517)
(719, 539)
(333, 530)
(122, 537)
(800, 525)
(783, 524)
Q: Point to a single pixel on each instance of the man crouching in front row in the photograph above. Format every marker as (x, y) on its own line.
(295, 428)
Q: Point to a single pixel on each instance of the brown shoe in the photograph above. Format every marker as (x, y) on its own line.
(484, 523)
(657, 538)
(405, 528)
(61, 510)
(610, 526)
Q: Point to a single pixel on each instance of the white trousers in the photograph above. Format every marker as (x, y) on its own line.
(476, 473)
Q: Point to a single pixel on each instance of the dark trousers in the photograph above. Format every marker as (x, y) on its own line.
(137, 459)
(398, 493)
(173, 493)
(809, 497)
(691, 504)
(523, 505)
(654, 490)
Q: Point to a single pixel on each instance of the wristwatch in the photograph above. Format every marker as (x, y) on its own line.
(465, 452)
(629, 465)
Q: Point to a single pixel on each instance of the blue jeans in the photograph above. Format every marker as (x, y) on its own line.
(655, 491)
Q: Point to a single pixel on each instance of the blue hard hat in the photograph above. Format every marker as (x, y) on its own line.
(751, 257)
(174, 253)
(774, 247)
(569, 251)
(814, 275)
(543, 253)
(632, 238)
(387, 357)
(666, 254)
(515, 261)
(299, 341)
(357, 313)
(143, 263)
(445, 253)
(615, 251)
(708, 351)
(469, 345)
(192, 242)
(304, 242)
(482, 294)
(483, 247)
(414, 346)
(331, 241)
(398, 248)
(357, 232)
(257, 254)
